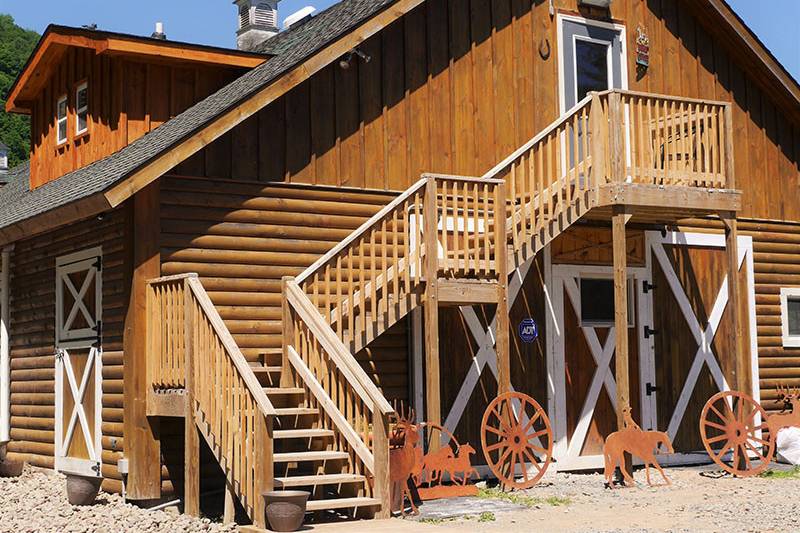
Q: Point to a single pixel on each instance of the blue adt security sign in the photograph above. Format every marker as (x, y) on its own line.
(528, 331)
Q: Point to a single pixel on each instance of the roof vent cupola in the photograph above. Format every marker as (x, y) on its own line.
(258, 21)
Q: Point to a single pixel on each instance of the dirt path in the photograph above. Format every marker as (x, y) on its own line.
(698, 500)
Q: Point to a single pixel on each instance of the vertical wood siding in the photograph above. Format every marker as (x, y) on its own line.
(456, 85)
(126, 100)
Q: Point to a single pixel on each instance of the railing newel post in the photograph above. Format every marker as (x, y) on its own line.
(288, 331)
(263, 468)
(730, 169)
(380, 452)
(191, 438)
(616, 137)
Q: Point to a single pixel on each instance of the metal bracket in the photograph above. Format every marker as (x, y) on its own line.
(96, 468)
(648, 332)
(59, 354)
(647, 286)
(650, 389)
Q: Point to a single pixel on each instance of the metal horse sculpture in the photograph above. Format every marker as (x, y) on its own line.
(632, 439)
(403, 459)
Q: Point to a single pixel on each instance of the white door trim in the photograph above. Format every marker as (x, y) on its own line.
(567, 449)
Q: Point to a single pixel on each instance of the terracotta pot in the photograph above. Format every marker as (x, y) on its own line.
(285, 509)
(82, 490)
(9, 468)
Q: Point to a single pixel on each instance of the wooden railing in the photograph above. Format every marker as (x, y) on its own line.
(335, 383)
(377, 271)
(613, 136)
(225, 401)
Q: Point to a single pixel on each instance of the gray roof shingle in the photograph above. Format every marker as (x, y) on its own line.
(295, 45)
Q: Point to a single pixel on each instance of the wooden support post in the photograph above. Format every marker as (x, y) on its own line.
(142, 448)
(616, 138)
(742, 368)
(264, 467)
(288, 334)
(599, 129)
(621, 372)
(191, 458)
(502, 342)
(380, 452)
(430, 234)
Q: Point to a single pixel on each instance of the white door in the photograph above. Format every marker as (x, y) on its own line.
(78, 366)
(585, 409)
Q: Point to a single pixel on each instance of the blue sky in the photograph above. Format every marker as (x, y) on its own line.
(776, 22)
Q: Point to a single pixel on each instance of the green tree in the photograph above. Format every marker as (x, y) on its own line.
(16, 45)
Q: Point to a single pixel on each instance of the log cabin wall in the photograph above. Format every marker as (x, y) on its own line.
(32, 333)
(242, 237)
(457, 85)
(127, 98)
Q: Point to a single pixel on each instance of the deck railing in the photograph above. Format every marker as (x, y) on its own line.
(191, 348)
(377, 271)
(349, 402)
(613, 137)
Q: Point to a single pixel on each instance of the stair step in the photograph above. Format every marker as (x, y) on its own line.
(296, 457)
(301, 433)
(322, 479)
(283, 391)
(340, 503)
(296, 411)
(258, 368)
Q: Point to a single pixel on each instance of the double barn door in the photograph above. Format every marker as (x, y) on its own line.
(679, 339)
(78, 363)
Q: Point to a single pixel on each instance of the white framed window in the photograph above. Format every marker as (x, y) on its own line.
(81, 108)
(790, 316)
(61, 119)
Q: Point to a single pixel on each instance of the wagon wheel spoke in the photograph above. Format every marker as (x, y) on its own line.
(503, 424)
(752, 418)
(723, 450)
(532, 458)
(717, 439)
(762, 427)
(746, 457)
(714, 425)
(493, 447)
(735, 457)
(496, 431)
(755, 449)
(719, 414)
(537, 434)
(728, 408)
(762, 441)
(533, 419)
(537, 448)
(503, 456)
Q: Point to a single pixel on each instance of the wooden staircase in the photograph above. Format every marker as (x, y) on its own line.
(308, 416)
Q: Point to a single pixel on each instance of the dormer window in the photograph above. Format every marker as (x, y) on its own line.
(81, 108)
(61, 119)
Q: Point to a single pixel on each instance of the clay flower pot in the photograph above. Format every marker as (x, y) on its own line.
(82, 490)
(9, 468)
(285, 509)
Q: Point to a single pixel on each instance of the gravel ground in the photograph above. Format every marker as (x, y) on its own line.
(700, 499)
(37, 502)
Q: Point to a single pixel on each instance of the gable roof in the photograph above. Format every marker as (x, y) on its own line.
(57, 39)
(299, 53)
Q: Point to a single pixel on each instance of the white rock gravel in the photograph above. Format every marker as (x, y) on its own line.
(699, 500)
(36, 502)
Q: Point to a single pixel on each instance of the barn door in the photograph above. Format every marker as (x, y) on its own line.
(78, 366)
(694, 356)
(584, 360)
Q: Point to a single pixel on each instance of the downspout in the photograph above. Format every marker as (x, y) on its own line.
(5, 359)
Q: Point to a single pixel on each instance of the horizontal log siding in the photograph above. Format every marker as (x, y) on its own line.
(242, 237)
(33, 337)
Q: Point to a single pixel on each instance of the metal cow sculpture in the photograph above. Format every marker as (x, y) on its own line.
(739, 435)
(637, 442)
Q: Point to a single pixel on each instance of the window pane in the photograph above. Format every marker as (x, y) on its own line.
(83, 97)
(62, 130)
(597, 300)
(793, 310)
(62, 108)
(82, 122)
(592, 67)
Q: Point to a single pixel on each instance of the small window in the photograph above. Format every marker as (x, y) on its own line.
(81, 108)
(597, 302)
(61, 119)
(591, 67)
(790, 317)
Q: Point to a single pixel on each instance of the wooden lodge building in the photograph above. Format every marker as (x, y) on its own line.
(222, 268)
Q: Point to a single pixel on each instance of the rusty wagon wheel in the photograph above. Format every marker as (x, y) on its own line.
(515, 432)
(730, 433)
